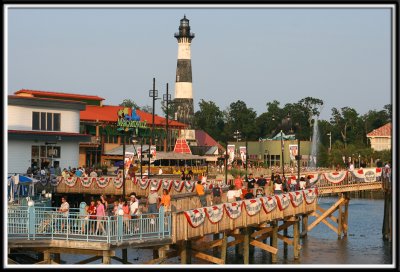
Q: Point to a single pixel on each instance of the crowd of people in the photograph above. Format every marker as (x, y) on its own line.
(93, 215)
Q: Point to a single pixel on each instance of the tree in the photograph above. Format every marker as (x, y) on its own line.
(312, 107)
(239, 117)
(129, 104)
(147, 109)
(210, 119)
(345, 122)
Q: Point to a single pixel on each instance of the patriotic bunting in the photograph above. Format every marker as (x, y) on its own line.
(335, 177)
(283, 201)
(269, 203)
(215, 213)
(86, 181)
(296, 198)
(314, 177)
(189, 185)
(70, 182)
(178, 185)
(195, 217)
(102, 182)
(156, 183)
(143, 183)
(118, 182)
(234, 209)
(367, 174)
(166, 184)
(253, 206)
(310, 195)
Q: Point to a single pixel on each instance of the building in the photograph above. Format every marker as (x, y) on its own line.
(183, 101)
(98, 122)
(381, 138)
(42, 132)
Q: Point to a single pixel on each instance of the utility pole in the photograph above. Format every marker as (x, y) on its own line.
(167, 98)
(154, 94)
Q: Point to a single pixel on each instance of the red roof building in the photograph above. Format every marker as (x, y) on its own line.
(381, 138)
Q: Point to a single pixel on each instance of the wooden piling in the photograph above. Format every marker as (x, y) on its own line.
(296, 238)
(304, 225)
(224, 247)
(215, 249)
(124, 255)
(46, 257)
(106, 257)
(274, 239)
(246, 244)
(285, 246)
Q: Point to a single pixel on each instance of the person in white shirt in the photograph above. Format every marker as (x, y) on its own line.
(160, 171)
(134, 209)
(64, 210)
(230, 195)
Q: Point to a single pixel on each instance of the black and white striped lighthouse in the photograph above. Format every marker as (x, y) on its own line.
(183, 82)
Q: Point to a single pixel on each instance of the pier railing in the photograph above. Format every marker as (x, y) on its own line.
(35, 223)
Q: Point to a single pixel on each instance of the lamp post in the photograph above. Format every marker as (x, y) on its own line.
(359, 162)
(141, 156)
(154, 94)
(226, 163)
(246, 159)
(166, 99)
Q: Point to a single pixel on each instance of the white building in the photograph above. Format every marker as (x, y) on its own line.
(43, 132)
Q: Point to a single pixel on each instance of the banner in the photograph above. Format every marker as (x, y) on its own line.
(296, 198)
(166, 184)
(214, 213)
(269, 203)
(283, 201)
(195, 217)
(128, 161)
(335, 177)
(243, 151)
(234, 209)
(231, 153)
(310, 195)
(367, 174)
(293, 151)
(253, 206)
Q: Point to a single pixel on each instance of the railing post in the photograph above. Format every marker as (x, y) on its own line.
(120, 225)
(161, 222)
(140, 226)
(31, 220)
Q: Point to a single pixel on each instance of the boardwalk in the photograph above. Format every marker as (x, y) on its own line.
(250, 222)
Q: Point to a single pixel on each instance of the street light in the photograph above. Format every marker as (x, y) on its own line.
(166, 99)
(359, 158)
(154, 94)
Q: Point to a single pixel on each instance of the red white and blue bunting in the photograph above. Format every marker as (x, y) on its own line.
(134, 180)
(195, 217)
(269, 203)
(253, 206)
(54, 180)
(167, 184)
(367, 174)
(70, 181)
(189, 185)
(283, 201)
(143, 183)
(234, 209)
(118, 182)
(314, 177)
(215, 213)
(102, 182)
(87, 181)
(155, 183)
(335, 177)
(296, 198)
(310, 195)
(178, 185)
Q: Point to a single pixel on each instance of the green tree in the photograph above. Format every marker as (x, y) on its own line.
(210, 119)
(240, 117)
(129, 103)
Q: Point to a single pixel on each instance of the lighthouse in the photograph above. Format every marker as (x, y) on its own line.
(183, 82)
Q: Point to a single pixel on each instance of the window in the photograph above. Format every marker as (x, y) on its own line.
(44, 155)
(46, 121)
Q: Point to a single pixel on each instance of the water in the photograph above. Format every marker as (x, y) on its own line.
(314, 143)
(363, 245)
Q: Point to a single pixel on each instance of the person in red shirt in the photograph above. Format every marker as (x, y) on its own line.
(238, 182)
(92, 216)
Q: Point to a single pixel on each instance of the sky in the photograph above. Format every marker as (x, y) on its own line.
(340, 55)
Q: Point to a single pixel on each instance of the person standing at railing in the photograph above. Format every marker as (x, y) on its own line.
(64, 210)
(92, 216)
(302, 183)
(100, 214)
(165, 201)
(201, 194)
(278, 185)
(152, 203)
(84, 217)
(134, 210)
(126, 216)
